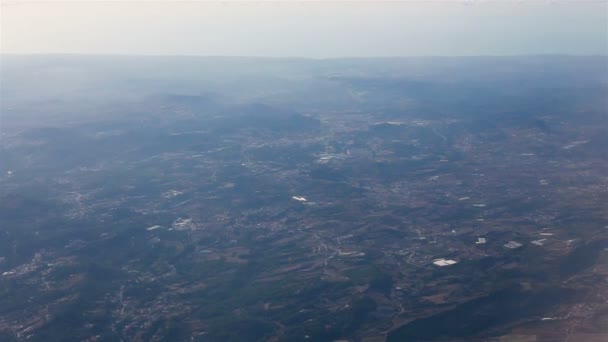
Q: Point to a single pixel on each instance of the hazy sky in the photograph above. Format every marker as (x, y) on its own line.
(307, 29)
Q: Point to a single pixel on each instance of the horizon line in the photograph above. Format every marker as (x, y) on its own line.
(80, 54)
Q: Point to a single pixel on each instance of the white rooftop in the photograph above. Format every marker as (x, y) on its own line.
(444, 262)
(539, 242)
(513, 244)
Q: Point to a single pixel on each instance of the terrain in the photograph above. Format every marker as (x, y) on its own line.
(250, 199)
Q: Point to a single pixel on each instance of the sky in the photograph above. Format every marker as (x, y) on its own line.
(305, 28)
